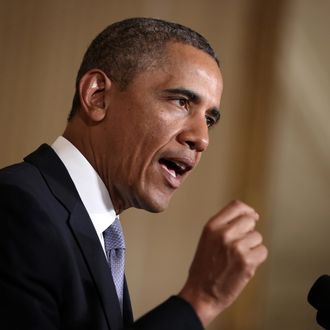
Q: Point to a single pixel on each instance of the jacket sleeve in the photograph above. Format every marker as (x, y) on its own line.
(175, 314)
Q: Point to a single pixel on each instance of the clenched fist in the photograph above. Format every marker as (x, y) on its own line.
(228, 254)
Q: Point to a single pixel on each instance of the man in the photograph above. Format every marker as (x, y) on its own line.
(146, 94)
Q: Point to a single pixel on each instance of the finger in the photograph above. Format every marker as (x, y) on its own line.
(242, 224)
(258, 254)
(232, 211)
(251, 259)
(250, 241)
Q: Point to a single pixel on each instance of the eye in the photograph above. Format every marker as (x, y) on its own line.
(183, 103)
(209, 121)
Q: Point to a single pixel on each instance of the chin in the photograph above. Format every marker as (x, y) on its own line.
(153, 208)
(154, 205)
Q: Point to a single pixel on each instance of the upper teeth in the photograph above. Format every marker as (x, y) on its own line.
(180, 165)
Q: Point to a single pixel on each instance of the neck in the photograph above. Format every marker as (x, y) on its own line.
(84, 138)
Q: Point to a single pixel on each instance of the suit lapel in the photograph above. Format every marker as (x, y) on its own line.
(127, 307)
(59, 181)
(89, 245)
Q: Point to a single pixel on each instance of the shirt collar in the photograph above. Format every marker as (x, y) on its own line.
(88, 183)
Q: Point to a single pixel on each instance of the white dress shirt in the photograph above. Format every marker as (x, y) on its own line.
(89, 185)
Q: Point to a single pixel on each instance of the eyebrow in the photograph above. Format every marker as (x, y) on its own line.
(195, 98)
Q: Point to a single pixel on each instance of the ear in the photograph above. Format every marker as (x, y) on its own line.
(93, 88)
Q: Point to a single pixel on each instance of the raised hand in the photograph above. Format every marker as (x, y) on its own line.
(228, 254)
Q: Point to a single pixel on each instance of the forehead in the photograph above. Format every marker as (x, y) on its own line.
(184, 66)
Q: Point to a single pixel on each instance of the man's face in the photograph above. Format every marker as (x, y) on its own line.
(156, 129)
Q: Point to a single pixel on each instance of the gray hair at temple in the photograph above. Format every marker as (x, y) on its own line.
(134, 45)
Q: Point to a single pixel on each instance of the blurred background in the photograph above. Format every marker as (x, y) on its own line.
(271, 148)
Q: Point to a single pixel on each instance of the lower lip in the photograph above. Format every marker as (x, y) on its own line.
(174, 182)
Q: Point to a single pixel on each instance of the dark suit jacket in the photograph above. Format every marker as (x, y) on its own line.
(53, 272)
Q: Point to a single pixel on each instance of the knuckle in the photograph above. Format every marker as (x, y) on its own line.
(209, 228)
(236, 203)
(246, 260)
(242, 207)
(256, 237)
(213, 223)
(239, 257)
(226, 237)
(249, 266)
(263, 252)
(250, 222)
(259, 237)
(238, 250)
(242, 254)
(249, 272)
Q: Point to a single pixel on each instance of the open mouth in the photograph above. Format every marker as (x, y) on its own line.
(175, 167)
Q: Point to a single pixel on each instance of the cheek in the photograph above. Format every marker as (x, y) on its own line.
(156, 135)
(144, 127)
(154, 128)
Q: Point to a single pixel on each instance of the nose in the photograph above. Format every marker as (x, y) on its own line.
(195, 135)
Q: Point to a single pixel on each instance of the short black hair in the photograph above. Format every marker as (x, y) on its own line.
(131, 46)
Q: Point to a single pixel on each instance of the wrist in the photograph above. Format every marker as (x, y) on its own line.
(204, 306)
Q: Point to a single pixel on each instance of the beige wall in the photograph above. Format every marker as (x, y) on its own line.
(298, 184)
(270, 148)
